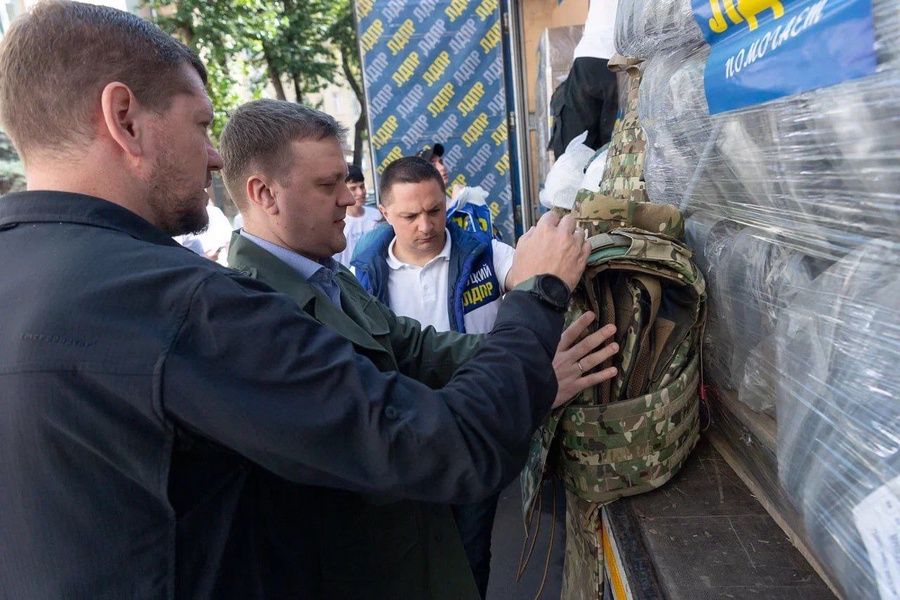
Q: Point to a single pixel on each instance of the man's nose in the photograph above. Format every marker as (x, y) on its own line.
(345, 198)
(214, 160)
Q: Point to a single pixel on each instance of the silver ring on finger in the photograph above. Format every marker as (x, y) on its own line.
(580, 368)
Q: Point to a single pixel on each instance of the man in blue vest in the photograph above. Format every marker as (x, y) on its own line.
(427, 267)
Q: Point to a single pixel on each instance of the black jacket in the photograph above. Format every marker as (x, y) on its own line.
(141, 384)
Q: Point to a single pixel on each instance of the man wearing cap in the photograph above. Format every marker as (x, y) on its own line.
(465, 204)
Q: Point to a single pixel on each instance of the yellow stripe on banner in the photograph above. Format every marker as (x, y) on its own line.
(612, 567)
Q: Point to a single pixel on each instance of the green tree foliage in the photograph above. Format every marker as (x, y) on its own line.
(12, 172)
(246, 44)
(343, 34)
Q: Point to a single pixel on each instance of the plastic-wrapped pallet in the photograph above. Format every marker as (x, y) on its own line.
(838, 414)
(647, 28)
(693, 160)
(753, 276)
(708, 236)
(650, 28)
(820, 166)
(793, 210)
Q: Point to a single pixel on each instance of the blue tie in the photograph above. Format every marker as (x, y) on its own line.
(323, 280)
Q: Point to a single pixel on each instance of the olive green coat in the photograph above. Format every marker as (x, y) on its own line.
(347, 545)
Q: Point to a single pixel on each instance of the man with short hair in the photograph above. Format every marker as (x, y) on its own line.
(143, 386)
(360, 218)
(425, 264)
(338, 544)
(418, 553)
(428, 268)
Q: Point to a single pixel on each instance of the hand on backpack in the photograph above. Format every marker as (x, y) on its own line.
(555, 246)
(574, 359)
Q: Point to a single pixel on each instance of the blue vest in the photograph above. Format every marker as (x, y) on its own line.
(472, 280)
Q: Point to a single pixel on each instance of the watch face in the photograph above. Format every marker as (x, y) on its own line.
(555, 290)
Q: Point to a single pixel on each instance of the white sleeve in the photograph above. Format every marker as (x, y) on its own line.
(503, 259)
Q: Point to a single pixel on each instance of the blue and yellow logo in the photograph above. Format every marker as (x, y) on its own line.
(744, 10)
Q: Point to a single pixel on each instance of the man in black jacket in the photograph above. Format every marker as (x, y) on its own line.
(140, 385)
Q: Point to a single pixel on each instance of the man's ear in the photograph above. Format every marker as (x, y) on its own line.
(383, 210)
(124, 118)
(261, 193)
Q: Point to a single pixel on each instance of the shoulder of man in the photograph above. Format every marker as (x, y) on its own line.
(373, 243)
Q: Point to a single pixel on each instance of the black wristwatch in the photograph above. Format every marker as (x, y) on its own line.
(549, 289)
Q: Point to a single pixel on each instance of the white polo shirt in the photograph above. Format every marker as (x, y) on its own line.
(422, 292)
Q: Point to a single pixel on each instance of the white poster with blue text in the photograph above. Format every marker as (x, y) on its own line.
(767, 49)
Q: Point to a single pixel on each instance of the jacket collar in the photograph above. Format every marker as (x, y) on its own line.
(257, 263)
(375, 247)
(67, 207)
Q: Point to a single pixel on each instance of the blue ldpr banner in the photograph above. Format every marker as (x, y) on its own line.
(434, 72)
(761, 50)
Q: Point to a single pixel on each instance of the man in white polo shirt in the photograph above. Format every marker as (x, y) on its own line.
(427, 267)
(430, 269)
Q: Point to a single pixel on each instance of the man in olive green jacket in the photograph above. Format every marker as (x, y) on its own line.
(366, 547)
(285, 169)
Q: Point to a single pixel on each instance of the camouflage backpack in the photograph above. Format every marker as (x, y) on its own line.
(632, 433)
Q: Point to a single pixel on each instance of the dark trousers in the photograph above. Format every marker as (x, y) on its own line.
(475, 523)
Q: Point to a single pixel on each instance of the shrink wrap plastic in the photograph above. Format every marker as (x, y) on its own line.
(838, 345)
(555, 50)
(645, 28)
(793, 211)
